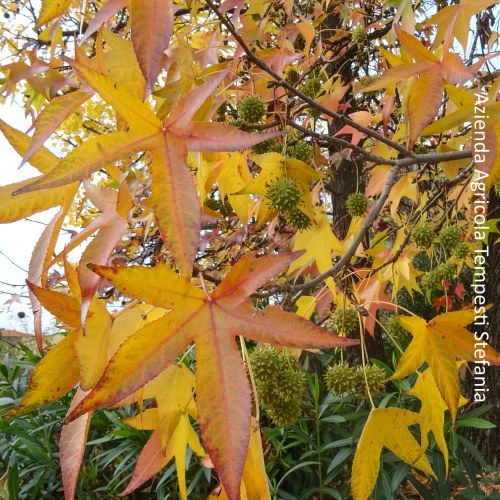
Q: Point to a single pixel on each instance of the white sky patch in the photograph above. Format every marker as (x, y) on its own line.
(17, 240)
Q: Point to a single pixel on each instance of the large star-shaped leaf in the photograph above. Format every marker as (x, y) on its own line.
(174, 199)
(385, 427)
(212, 321)
(440, 342)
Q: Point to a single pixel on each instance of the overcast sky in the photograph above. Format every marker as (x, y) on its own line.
(17, 240)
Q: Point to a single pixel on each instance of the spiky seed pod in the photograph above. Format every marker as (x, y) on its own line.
(421, 149)
(298, 220)
(212, 204)
(265, 363)
(447, 271)
(289, 383)
(311, 87)
(284, 195)
(302, 151)
(356, 204)
(268, 146)
(285, 413)
(461, 251)
(395, 328)
(340, 378)
(313, 112)
(430, 281)
(251, 110)
(450, 236)
(497, 187)
(344, 320)
(358, 34)
(280, 384)
(367, 80)
(375, 376)
(292, 76)
(423, 235)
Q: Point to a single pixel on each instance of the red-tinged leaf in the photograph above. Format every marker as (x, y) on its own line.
(39, 265)
(158, 343)
(151, 23)
(62, 306)
(444, 302)
(249, 274)
(423, 105)
(151, 461)
(55, 375)
(183, 113)
(52, 116)
(212, 322)
(203, 136)
(72, 447)
(112, 227)
(224, 401)
(455, 71)
(87, 158)
(155, 456)
(460, 290)
(399, 73)
(275, 326)
(108, 10)
(175, 203)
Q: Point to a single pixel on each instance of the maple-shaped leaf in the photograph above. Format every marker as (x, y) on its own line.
(55, 375)
(154, 456)
(385, 427)
(455, 21)
(174, 199)
(151, 24)
(15, 208)
(440, 342)
(173, 390)
(431, 415)
(320, 245)
(212, 322)
(425, 95)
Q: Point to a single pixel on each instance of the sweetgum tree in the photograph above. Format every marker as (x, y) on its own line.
(264, 188)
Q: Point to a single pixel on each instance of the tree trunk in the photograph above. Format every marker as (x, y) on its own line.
(346, 178)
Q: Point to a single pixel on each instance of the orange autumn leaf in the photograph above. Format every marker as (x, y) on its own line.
(212, 321)
(174, 197)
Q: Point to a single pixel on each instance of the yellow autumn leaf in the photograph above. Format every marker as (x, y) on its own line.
(55, 375)
(154, 457)
(173, 390)
(431, 415)
(385, 427)
(320, 245)
(50, 10)
(440, 342)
